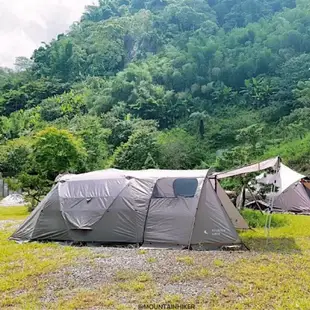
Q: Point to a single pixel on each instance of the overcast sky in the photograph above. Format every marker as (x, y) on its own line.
(24, 24)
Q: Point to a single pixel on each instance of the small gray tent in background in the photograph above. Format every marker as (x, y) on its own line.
(292, 189)
(151, 208)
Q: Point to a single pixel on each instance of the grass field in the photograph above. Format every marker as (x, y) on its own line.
(273, 275)
(15, 213)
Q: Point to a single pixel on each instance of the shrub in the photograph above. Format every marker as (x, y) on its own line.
(256, 219)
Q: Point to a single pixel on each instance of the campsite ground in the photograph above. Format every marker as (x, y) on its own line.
(49, 276)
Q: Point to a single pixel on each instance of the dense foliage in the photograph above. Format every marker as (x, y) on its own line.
(177, 84)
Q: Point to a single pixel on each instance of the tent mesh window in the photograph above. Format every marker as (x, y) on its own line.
(185, 187)
(174, 188)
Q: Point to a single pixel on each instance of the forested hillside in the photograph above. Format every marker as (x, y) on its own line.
(177, 84)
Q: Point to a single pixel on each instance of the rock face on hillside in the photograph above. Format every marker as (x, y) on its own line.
(13, 200)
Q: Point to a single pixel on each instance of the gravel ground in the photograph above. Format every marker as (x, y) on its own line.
(94, 272)
(4, 224)
(98, 267)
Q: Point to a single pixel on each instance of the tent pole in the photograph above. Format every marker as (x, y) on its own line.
(215, 184)
(266, 223)
(242, 198)
(271, 209)
(273, 191)
(148, 211)
(204, 183)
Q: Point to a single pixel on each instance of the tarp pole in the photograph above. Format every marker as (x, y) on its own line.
(273, 191)
(242, 198)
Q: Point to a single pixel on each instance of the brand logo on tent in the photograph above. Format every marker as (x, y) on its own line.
(215, 232)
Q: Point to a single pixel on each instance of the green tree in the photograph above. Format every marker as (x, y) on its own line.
(258, 91)
(179, 150)
(251, 136)
(23, 64)
(14, 157)
(302, 93)
(204, 73)
(56, 151)
(199, 120)
(136, 153)
(95, 140)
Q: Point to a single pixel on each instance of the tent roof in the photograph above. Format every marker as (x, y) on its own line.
(284, 179)
(141, 174)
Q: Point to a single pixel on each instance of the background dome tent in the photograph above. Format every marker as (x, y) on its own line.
(151, 207)
(292, 189)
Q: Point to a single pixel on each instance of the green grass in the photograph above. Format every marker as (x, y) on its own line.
(297, 150)
(151, 260)
(13, 213)
(257, 219)
(23, 267)
(219, 263)
(142, 252)
(293, 237)
(187, 260)
(138, 287)
(278, 276)
(196, 273)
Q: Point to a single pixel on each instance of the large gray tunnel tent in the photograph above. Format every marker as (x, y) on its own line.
(150, 207)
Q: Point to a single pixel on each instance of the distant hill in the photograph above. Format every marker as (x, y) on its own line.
(176, 84)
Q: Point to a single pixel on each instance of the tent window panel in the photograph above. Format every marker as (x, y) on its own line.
(160, 193)
(185, 187)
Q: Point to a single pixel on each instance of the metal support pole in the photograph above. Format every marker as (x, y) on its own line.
(269, 216)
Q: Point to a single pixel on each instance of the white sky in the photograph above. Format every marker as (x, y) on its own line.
(24, 24)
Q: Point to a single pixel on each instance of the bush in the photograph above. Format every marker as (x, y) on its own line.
(256, 219)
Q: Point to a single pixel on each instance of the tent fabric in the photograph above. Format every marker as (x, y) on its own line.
(263, 165)
(233, 213)
(141, 207)
(283, 179)
(293, 199)
(212, 224)
(291, 193)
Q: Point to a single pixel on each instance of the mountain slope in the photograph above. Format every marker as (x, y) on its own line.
(184, 84)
